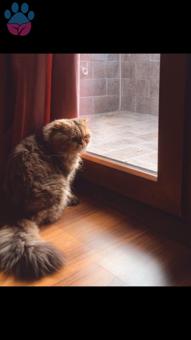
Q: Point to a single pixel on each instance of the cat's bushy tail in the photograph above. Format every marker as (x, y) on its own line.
(24, 254)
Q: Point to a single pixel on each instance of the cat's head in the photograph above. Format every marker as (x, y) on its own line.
(67, 135)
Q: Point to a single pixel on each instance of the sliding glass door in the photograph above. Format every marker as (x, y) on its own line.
(135, 104)
(119, 93)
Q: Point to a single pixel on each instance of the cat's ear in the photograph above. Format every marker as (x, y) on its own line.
(83, 121)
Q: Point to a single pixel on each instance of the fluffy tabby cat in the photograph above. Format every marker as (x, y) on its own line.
(38, 183)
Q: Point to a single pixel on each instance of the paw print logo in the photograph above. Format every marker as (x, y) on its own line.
(19, 19)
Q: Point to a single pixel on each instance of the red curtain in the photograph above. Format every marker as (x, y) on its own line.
(34, 89)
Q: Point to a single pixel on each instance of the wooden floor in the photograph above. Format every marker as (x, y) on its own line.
(104, 247)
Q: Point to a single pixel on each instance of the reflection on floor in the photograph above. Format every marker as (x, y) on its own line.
(104, 247)
(127, 137)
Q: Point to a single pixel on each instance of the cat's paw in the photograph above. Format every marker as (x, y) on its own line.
(19, 19)
(74, 200)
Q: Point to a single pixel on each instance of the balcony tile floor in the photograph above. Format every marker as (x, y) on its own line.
(126, 137)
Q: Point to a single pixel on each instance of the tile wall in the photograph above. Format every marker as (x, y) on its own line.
(119, 82)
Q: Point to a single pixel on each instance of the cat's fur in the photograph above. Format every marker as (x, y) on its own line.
(38, 184)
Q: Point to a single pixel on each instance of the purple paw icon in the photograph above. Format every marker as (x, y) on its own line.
(19, 19)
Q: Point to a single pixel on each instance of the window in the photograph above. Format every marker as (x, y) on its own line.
(119, 94)
(136, 108)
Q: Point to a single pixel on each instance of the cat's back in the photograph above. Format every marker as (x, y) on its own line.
(27, 156)
(26, 164)
(30, 176)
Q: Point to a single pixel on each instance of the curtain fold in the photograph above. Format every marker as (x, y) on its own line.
(65, 86)
(34, 89)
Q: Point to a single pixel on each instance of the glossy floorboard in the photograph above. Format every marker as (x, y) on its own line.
(104, 247)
